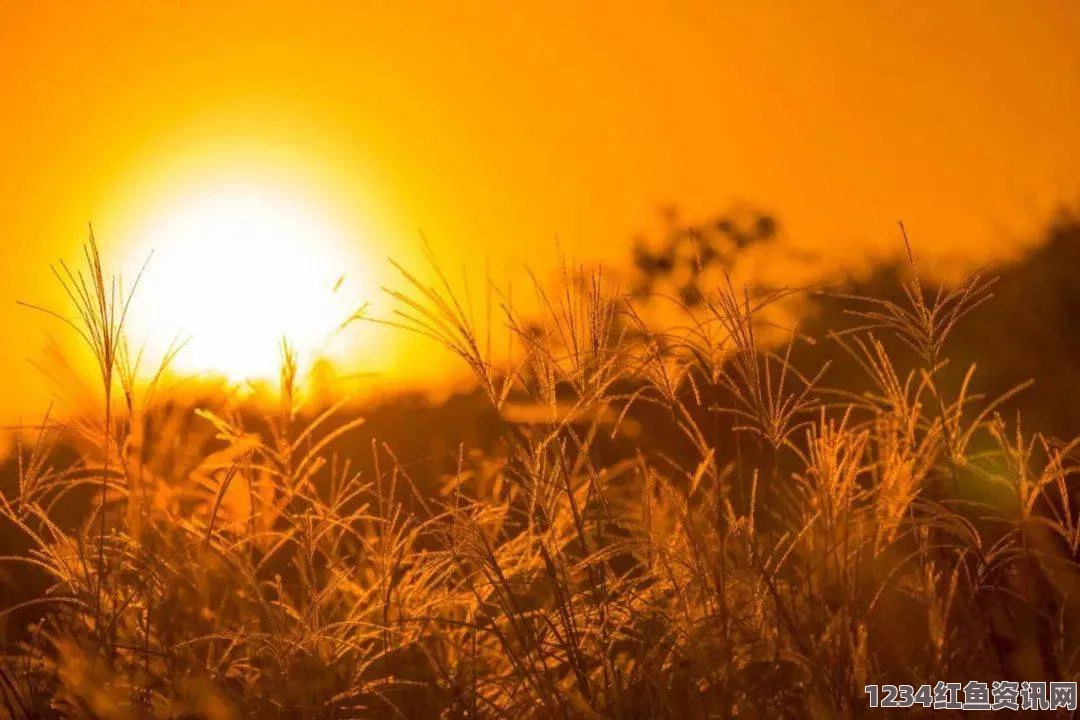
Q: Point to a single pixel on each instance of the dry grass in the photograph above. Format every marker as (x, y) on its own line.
(792, 543)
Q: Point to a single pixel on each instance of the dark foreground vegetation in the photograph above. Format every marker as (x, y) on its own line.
(623, 521)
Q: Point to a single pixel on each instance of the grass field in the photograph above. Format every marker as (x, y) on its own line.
(668, 522)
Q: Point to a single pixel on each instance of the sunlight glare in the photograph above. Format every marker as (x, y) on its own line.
(237, 268)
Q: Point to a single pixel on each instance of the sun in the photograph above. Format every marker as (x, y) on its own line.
(236, 268)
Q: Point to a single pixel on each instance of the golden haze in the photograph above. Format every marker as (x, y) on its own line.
(493, 128)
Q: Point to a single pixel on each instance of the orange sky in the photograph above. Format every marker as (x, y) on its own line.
(494, 126)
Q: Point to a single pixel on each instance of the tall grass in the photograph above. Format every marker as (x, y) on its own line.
(675, 522)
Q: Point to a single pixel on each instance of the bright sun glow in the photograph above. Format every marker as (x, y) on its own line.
(234, 270)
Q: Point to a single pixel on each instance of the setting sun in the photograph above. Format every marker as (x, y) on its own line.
(235, 268)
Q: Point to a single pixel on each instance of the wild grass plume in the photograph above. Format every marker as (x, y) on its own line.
(668, 522)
